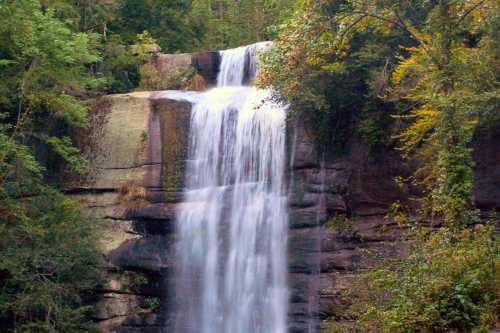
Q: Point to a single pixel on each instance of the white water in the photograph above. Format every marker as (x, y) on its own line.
(239, 65)
(233, 224)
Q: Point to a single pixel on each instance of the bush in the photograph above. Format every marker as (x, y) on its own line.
(449, 283)
(153, 79)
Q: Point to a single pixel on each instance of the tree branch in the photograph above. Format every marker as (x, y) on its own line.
(348, 29)
(470, 10)
(402, 25)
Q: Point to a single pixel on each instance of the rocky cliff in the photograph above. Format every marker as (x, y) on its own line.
(338, 206)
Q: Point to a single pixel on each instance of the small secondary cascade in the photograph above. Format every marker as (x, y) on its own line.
(233, 221)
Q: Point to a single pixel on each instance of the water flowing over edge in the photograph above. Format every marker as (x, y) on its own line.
(233, 227)
(239, 66)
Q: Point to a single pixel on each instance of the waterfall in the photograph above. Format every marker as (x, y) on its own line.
(239, 66)
(233, 221)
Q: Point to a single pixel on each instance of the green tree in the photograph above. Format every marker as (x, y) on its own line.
(49, 261)
(226, 24)
(44, 75)
(430, 63)
(47, 248)
(451, 88)
(168, 23)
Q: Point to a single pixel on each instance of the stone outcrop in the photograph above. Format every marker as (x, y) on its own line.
(205, 63)
(137, 147)
(487, 176)
(337, 211)
(340, 209)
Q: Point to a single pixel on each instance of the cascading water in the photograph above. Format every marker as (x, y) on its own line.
(239, 65)
(233, 224)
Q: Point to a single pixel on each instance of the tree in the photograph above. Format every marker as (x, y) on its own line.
(49, 261)
(168, 22)
(432, 76)
(443, 77)
(448, 283)
(433, 66)
(48, 254)
(44, 75)
(225, 24)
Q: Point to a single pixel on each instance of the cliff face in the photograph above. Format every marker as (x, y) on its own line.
(137, 147)
(326, 250)
(338, 206)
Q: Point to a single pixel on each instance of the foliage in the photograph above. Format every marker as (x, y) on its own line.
(44, 74)
(344, 227)
(187, 25)
(228, 23)
(336, 91)
(47, 247)
(56, 56)
(449, 283)
(48, 250)
(443, 78)
(427, 75)
(424, 73)
(168, 21)
(49, 259)
(152, 304)
(177, 79)
(121, 62)
(429, 64)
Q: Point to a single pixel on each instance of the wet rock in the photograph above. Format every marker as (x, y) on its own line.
(306, 217)
(487, 169)
(151, 253)
(115, 305)
(299, 199)
(377, 228)
(344, 260)
(166, 63)
(335, 203)
(207, 65)
(302, 150)
(372, 189)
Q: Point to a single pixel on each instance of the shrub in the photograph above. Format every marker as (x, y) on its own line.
(449, 283)
(153, 79)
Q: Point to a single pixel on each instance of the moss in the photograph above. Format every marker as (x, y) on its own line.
(149, 305)
(343, 226)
